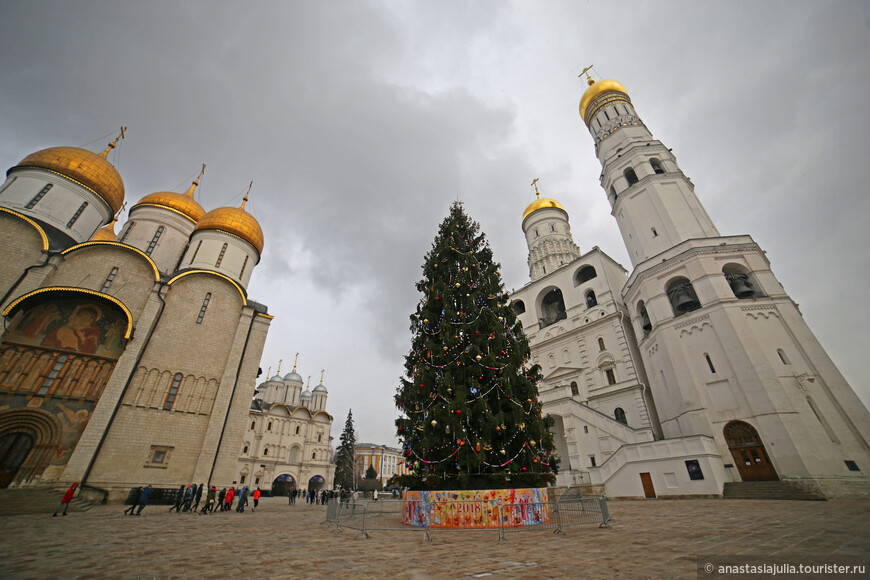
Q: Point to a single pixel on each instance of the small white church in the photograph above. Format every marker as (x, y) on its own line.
(693, 373)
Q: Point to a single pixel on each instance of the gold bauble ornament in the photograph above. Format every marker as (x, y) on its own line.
(478, 357)
(532, 442)
(457, 284)
(502, 452)
(445, 348)
(426, 320)
(434, 422)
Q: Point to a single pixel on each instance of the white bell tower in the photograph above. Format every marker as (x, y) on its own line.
(726, 350)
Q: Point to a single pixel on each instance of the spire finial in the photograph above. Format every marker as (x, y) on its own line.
(308, 384)
(280, 360)
(269, 373)
(294, 362)
(189, 192)
(117, 213)
(589, 80)
(321, 375)
(105, 154)
(245, 199)
(535, 183)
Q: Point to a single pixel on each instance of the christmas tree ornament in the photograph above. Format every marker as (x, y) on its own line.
(434, 423)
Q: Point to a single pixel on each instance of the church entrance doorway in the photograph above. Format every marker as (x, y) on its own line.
(283, 484)
(14, 448)
(648, 490)
(316, 483)
(749, 453)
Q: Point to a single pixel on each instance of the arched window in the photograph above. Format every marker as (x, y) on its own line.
(654, 232)
(319, 438)
(253, 424)
(245, 265)
(611, 376)
(297, 429)
(265, 451)
(645, 323)
(519, 307)
(584, 274)
(173, 392)
(782, 356)
(153, 243)
(600, 343)
(740, 281)
(245, 450)
(591, 300)
(242, 478)
(127, 231)
(656, 165)
(575, 390)
(552, 227)
(76, 215)
(204, 306)
(52, 375)
(195, 252)
(38, 196)
(221, 257)
(682, 296)
(313, 455)
(552, 308)
(269, 426)
(630, 176)
(710, 363)
(619, 415)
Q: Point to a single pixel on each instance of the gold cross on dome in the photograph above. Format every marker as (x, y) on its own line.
(535, 183)
(321, 375)
(294, 362)
(111, 146)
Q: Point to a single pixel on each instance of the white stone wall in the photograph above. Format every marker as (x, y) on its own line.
(206, 255)
(172, 241)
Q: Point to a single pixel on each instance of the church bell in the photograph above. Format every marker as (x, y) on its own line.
(741, 286)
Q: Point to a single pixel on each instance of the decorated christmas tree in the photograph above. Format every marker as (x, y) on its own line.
(470, 416)
(345, 457)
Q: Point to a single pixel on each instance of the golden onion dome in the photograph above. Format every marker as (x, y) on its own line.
(595, 90)
(88, 169)
(235, 221)
(541, 204)
(182, 203)
(105, 234)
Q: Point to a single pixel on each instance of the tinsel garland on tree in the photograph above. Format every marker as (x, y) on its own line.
(470, 415)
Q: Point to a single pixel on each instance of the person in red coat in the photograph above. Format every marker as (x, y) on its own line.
(231, 493)
(256, 498)
(64, 502)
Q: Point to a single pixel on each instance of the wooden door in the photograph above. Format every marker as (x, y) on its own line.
(749, 453)
(14, 447)
(648, 489)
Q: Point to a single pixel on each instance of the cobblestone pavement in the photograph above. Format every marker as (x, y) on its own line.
(648, 539)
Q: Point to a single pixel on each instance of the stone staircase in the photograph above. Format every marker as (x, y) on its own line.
(37, 500)
(769, 490)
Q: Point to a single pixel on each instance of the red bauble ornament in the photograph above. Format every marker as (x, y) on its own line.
(458, 412)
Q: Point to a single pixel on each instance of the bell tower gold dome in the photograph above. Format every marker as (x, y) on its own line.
(541, 204)
(234, 221)
(90, 170)
(181, 203)
(595, 90)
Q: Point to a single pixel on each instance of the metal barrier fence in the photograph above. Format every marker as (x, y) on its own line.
(404, 515)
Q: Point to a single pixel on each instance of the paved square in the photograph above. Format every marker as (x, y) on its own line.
(649, 539)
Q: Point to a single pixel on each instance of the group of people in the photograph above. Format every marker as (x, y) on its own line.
(314, 497)
(188, 498)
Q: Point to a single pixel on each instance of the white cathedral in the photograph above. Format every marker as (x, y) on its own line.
(693, 373)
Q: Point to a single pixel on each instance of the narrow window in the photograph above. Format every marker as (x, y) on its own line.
(245, 450)
(195, 252)
(591, 461)
(173, 392)
(656, 166)
(630, 176)
(52, 375)
(586, 428)
(600, 344)
(257, 481)
(253, 424)
(109, 279)
(38, 196)
(269, 426)
(654, 232)
(242, 479)
(221, 257)
(590, 299)
(297, 429)
(319, 438)
(242, 273)
(202, 314)
(782, 356)
(76, 215)
(606, 116)
(552, 227)
(710, 363)
(159, 456)
(619, 415)
(536, 233)
(154, 240)
(611, 378)
(313, 455)
(127, 231)
(575, 390)
(851, 465)
(266, 451)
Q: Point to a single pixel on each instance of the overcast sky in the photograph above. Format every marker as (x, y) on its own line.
(360, 122)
